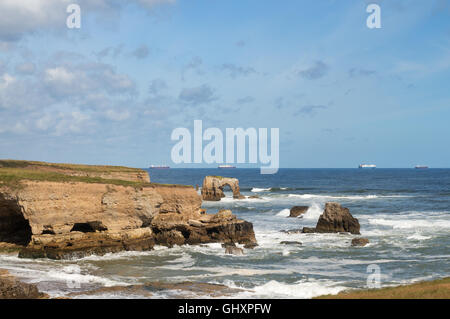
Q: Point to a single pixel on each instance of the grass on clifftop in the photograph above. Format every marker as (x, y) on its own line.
(12, 173)
(437, 289)
(72, 167)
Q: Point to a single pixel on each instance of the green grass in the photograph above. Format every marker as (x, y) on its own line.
(437, 289)
(13, 173)
(73, 167)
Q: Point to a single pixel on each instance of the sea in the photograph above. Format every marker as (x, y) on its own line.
(405, 214)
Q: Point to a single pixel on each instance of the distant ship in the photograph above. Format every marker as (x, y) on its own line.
(159, 167)
(421, 167)
(226, 166)
(367, 166)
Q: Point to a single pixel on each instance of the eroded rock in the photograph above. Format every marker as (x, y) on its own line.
(296, 211)
(11, 288)
(231, 250)
(213, 186)
(295, 243)
(335, 219)
(360, 242)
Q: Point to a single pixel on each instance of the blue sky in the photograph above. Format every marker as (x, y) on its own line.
(112, 92)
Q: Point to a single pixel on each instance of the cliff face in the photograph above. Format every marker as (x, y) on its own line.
(71, 219)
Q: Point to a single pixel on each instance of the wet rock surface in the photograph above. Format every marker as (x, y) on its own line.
(297, 211)
(360, 242)
(11, 288)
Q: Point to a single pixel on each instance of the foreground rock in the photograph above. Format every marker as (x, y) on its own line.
(212, 189)
(11, 288)
(296, 211)
(293, 231)
(223, 227)
(360, 242)
(63, 216)
(295, 243)
(335, 219)
(230, 250)
(182, 290)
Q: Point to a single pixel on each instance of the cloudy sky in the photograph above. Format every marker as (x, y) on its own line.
(112, 91)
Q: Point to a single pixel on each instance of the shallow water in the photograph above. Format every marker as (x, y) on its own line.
(405, 213)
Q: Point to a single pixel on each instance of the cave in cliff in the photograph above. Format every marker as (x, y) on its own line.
(14, 228)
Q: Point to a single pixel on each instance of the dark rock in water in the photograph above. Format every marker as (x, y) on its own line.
(291, 243)
(335, 219)
(296, 211)
(250, 245)
(308, 230)
(360, 241)
(292, 231)
(229, 244)
(230, 250)
(254, 197)
(11, 288)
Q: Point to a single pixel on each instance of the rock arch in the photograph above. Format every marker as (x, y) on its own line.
(213, 186)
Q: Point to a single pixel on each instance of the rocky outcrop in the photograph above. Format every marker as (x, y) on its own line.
(360, 242)
(11, 288)
(295, 243)
(222, 227)
(212, 189)
(67, 219)
(335, 219)
(233, 250)
(296, 211)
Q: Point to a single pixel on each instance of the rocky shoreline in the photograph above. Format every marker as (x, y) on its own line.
(12, 288)
(62, 211)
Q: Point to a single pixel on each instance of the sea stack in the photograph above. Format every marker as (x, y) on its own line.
(335, 219)
(212, 189)
(296, 211)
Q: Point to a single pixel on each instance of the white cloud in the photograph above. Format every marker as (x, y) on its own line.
(6, 80)
(59, 74)
(19, 17)
(117, 115)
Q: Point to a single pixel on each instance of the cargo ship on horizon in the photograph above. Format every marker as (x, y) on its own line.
(159, 167)
(421, 167)
(226, 166)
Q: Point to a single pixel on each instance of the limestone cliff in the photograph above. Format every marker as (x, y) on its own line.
(70, 217)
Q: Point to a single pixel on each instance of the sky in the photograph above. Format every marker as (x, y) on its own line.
(112, 91)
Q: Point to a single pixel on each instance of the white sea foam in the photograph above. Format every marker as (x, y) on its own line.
(419, 237)
(284, 213)
(300, 289)
(406, 223)
(259, 190)
(350, 197)
(314, 212)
